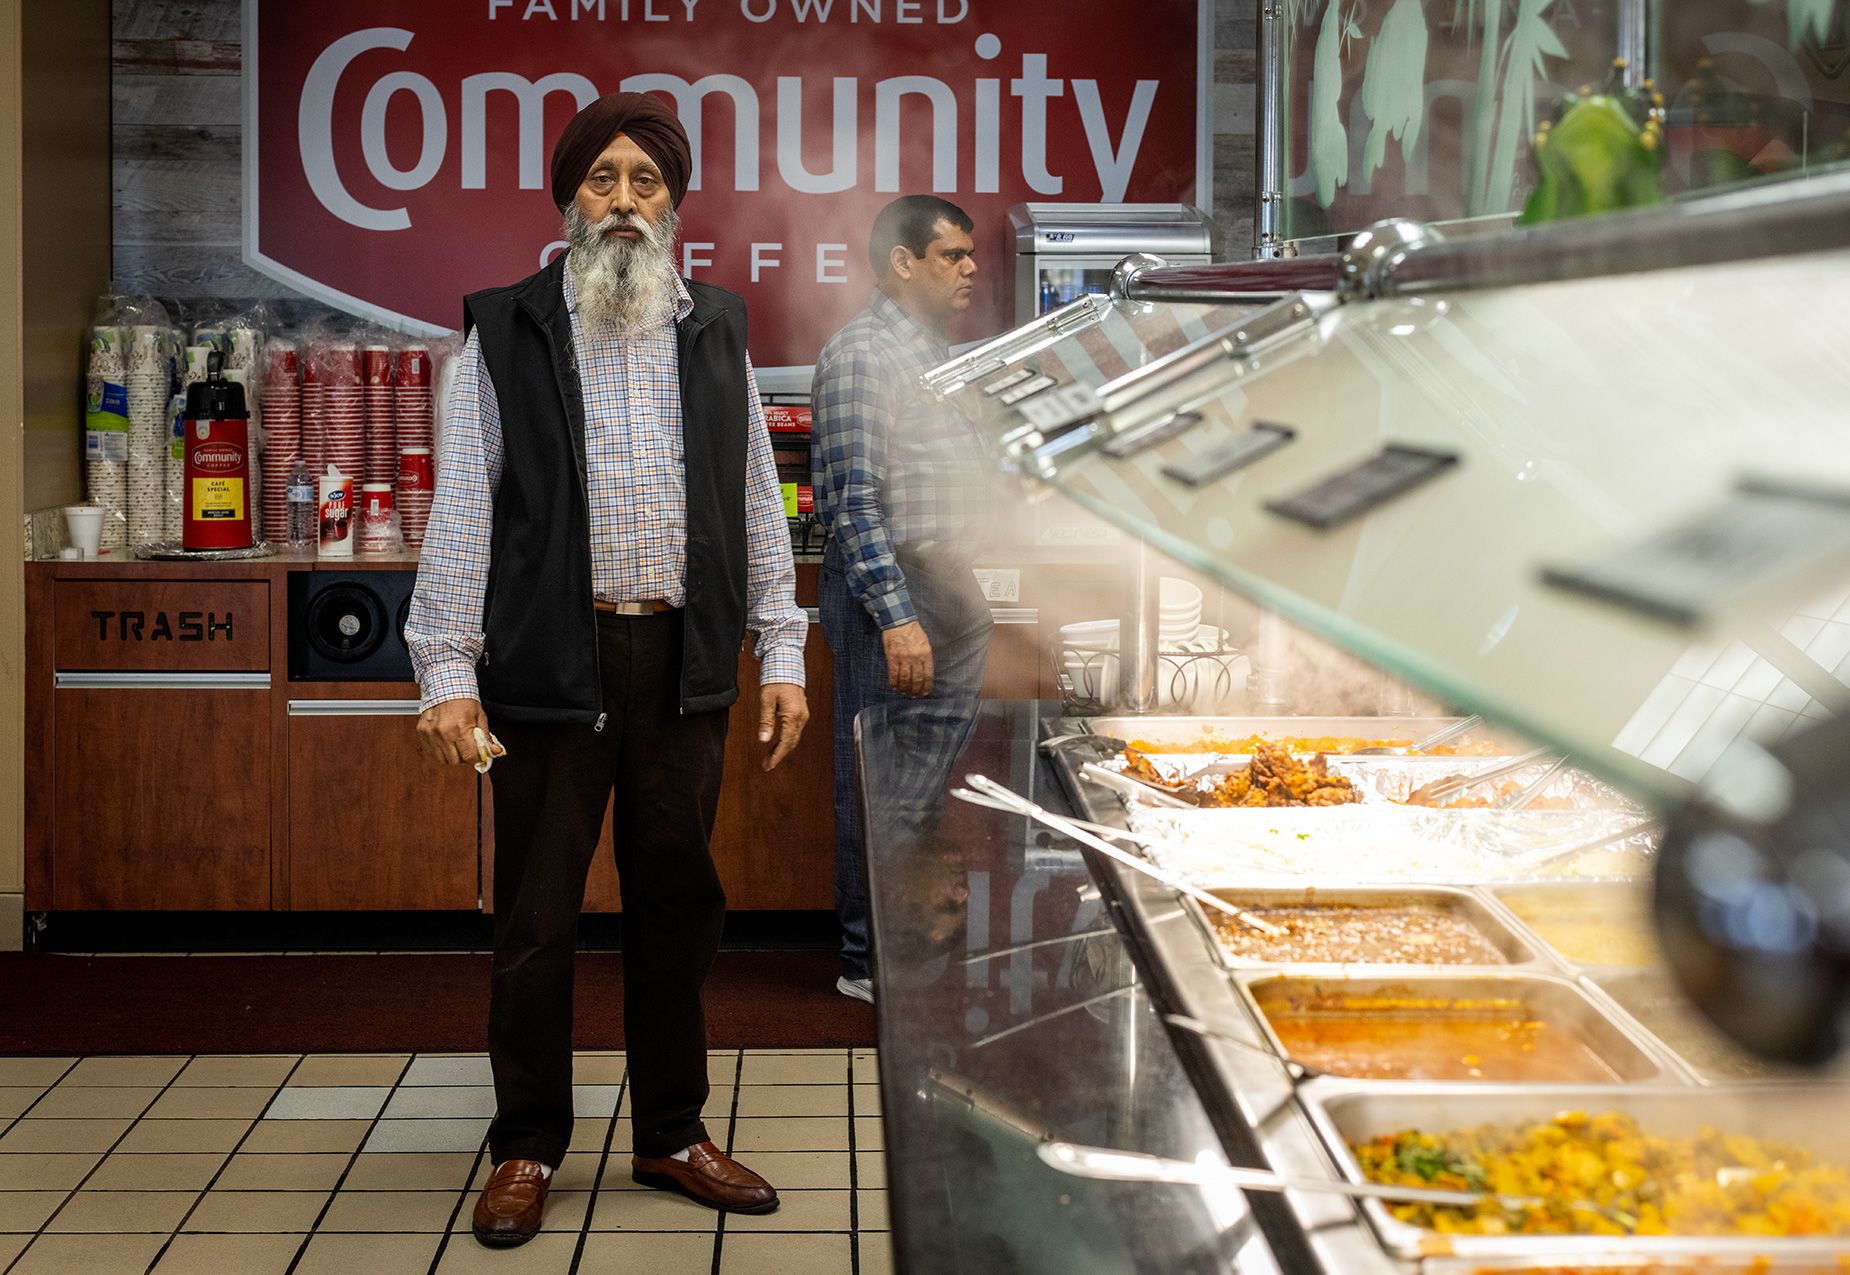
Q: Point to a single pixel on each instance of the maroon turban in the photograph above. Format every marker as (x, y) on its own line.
(649, 123)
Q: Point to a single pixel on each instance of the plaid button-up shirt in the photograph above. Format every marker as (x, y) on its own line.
(638, 498)
(891, 465)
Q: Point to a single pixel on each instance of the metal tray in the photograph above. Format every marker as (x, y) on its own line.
(1379, 844)
(1620, 1263)
(1391, 780)
(1650, 999)
(1810, 1116)
(1189, 731)
(1592, 899)
(1633, 1056)
(1518, 952)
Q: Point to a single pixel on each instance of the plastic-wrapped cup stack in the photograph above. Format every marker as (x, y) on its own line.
(417, 488)
(106, 425)
(282, 436)
(416, 463)
(244, 364)
(375, 514)
(151, 352)
(314, 413)
(412, 392)
(193, 373)
(381, 439)
(343, 409)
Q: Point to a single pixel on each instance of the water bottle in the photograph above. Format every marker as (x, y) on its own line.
(300, 501)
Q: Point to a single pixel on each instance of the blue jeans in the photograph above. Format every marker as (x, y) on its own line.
(955, 616)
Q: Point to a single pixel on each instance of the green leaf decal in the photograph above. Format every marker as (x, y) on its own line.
(1394, 83)
(1329, 140)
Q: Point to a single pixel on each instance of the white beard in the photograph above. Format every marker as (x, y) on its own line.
(624, 284)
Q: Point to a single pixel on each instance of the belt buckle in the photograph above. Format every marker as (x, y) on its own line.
(627, 608)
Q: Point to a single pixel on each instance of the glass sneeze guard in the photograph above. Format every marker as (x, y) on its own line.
(1586, 416)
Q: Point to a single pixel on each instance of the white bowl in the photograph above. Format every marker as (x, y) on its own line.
(1174, 594)
(1095, 678)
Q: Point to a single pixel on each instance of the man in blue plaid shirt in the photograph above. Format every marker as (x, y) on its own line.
(901, 484)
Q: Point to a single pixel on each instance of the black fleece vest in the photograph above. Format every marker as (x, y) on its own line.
(540, 663)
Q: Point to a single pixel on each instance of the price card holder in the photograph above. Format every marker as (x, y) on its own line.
(1236, 453)
(1066, 406)
(1001, 383)
(1355, 491)
(1028, 388)
(1755, 539)
(1148, 436)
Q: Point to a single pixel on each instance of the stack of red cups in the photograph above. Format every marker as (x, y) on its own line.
(282, 436)
(412, 397)
(314, 412)
(417, 487)
(417, 470)
(344, 409)
(381, 458)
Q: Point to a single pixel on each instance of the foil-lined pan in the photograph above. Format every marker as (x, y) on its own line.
(1384, 844)
(1391, 780)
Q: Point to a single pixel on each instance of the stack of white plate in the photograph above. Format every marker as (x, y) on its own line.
(1180, 611)
(1089, 658)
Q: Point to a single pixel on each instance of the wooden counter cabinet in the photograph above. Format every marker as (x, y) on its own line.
(162, 792)
(373, 825)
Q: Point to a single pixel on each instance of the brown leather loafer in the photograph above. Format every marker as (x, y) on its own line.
(508, 1211)
(708, 1176)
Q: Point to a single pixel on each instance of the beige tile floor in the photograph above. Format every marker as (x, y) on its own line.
(367, 1164)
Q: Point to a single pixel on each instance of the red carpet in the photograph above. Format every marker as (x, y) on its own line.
(52, 1004)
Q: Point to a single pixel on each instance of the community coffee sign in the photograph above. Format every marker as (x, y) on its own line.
(397, 150)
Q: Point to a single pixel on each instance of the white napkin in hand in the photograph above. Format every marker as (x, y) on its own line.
(487, 748)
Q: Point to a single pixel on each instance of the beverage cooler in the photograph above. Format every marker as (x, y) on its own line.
(1065, 251)
(787, 416)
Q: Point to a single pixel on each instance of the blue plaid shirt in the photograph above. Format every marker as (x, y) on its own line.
(891, 464)
(638, 498)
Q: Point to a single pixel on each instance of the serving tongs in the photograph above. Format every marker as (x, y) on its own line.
(1008, 799)
(1194, 1026)
(1439, 789)
(1520, 800)
(1461, 727)
(1104, 744)
(1106, 1165)
(1102, 829)
(1547, 858)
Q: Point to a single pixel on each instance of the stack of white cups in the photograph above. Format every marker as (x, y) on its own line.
(106, 439)
(192, 373)
(151, 358)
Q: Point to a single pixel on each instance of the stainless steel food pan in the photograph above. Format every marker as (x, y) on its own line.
(1814, 1117)
(1517, 951)
(1631, 1055)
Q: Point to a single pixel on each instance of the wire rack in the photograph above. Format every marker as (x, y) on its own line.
(1192, 681)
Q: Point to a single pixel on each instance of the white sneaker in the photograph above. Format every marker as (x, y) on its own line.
(860, 989)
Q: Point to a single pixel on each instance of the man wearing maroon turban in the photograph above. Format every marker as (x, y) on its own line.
(608, 524)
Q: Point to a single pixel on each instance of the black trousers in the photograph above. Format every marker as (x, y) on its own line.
(550, 793)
